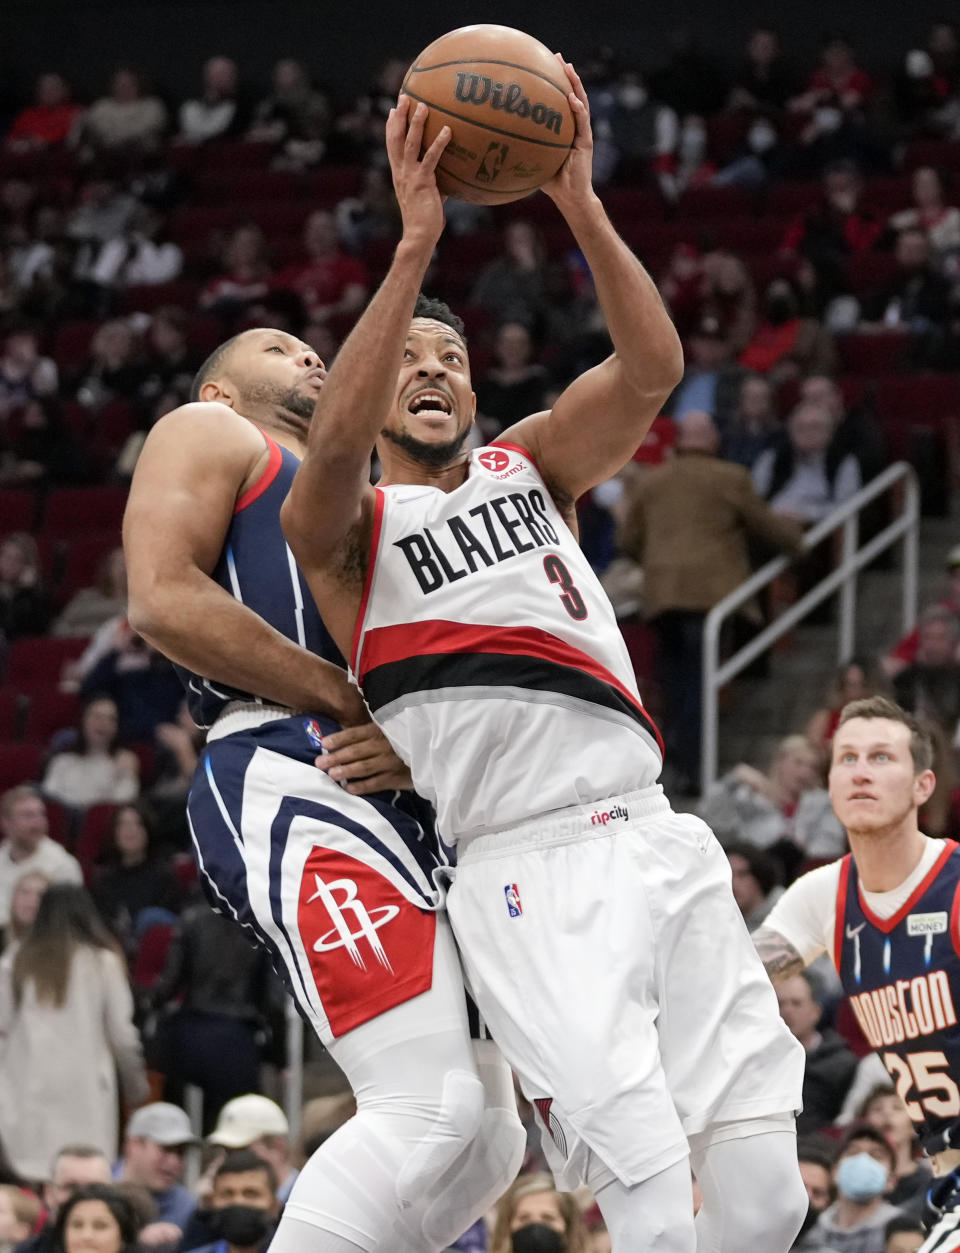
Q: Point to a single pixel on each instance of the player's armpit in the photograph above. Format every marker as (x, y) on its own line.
(780, 959)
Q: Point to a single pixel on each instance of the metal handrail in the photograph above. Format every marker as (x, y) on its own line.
(852, 559)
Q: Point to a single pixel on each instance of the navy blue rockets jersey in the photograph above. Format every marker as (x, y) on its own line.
(257, 567)
(902, 975)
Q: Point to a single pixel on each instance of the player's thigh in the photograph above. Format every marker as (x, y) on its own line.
(564, 973)
(726, 1052)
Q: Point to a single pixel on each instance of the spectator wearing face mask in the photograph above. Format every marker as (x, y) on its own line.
(533, 1217)
(243, 1204)
(862, 1173)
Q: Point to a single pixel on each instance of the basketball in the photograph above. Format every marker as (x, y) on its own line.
(504, 96)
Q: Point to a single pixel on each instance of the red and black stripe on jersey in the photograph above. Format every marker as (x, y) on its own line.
(399, 661)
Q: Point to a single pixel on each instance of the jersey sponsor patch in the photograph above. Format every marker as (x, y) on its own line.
(512, 894)
(368, 947)
(927, 924)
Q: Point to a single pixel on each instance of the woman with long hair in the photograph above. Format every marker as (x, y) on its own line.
(532, 1200)
(66, 1030)
(134, 880)
(24, 903)
(97, 1218)
(97, 770)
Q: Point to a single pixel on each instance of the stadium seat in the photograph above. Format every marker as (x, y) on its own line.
(19, 763)
(151, 955)
(48, 711)
(18, 510)
(79, 558)
(862, 353)
(869, 271)
(929, 397)
(184, 868)
(719, 205)
(71, 343)
(13, 713)
(60, 822)
(93, 835)
(38, 660)
(145, 297)
(942, 154)
(72, 509)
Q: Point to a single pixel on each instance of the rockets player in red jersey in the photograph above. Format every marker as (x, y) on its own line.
(597, 928)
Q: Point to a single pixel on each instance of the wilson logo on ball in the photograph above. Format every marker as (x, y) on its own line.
(479, 89)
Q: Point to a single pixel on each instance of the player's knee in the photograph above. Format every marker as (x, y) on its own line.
(504, 1143)
(454, 1122)
(767, 1225)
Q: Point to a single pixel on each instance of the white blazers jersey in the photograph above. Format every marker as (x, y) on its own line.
(490, 655)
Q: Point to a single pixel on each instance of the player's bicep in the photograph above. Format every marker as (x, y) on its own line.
(592, 431)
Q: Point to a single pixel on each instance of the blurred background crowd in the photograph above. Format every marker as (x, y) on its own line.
(802, 220)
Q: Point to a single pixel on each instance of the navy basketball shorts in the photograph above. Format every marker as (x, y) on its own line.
(338, 888)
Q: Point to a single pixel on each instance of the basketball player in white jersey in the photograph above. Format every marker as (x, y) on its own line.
(334, 883)
(597, 928)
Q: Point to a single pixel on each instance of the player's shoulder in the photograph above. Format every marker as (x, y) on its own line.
(199, 419)
(820, 881)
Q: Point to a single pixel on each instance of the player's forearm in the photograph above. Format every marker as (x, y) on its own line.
(360, 387)
(644, 339)
(202, 627)
(780, 959)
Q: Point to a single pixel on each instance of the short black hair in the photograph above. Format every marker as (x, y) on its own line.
(212, 366)
(439, 311)
(239, 1161)
(815, 1151)
(863, 1131)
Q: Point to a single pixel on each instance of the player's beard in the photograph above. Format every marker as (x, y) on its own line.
(434, 456)
(286, 398)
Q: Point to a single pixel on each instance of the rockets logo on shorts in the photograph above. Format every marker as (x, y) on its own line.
(514, 908)
(367, 946)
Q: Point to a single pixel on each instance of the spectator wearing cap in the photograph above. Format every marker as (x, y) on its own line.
(255, 1122)
(155, 1143)
(711, 379)
(905, 651)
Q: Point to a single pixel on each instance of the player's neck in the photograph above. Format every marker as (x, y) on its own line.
(886, 858)
(289, 432)
(399, 468)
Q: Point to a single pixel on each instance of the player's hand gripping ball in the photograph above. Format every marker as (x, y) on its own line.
(504, 96)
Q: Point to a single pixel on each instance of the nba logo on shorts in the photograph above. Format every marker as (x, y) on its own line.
(514, 908)
(314, 734)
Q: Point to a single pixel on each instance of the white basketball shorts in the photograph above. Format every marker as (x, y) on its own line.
(609, 959)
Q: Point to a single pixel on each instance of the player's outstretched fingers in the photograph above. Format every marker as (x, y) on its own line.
(414, 141)
(434, 152)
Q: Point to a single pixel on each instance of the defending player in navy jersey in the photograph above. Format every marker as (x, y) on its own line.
(598, 929)
(888, 914)
(334, 880)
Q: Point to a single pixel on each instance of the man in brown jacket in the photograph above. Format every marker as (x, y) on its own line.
(689, 528)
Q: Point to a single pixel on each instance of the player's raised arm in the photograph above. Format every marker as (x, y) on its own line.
(601, 418)
(180, 507)
(327, 496)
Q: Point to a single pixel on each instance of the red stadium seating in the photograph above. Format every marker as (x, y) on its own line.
(72, 509)
(151, 955)
(19, 763)
(60, 823)
(93, 835)
(862, 353)
(18, 511)
(49, 710)
(38, 660)
(13, 713)
(929, 397)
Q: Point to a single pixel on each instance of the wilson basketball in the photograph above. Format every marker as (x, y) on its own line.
(504, 96)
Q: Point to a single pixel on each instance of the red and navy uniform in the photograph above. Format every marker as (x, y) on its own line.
(257, 568)
(902, 975)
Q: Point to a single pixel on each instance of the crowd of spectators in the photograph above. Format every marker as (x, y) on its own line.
(803, 225)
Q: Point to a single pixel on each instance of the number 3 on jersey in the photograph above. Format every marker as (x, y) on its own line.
(570, 597)
(926, 1073)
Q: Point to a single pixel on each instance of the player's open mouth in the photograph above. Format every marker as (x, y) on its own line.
(430, 405)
